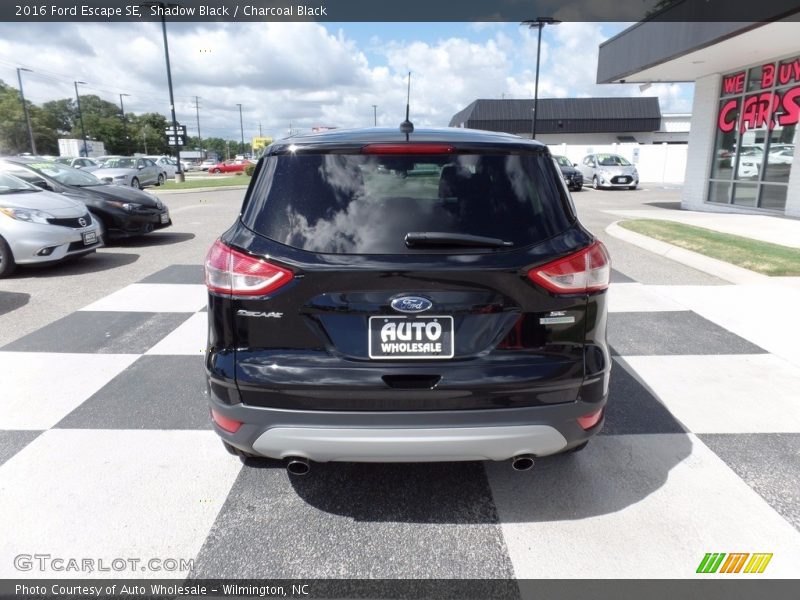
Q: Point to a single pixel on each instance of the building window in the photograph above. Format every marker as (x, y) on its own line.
(756, 135)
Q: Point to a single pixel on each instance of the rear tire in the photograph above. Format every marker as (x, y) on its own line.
(7, 264)
(135, 183)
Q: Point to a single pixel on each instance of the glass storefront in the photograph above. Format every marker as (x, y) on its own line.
(756, 135)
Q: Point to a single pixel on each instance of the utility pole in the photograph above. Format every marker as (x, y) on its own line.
(25, 108)
(144, 140)
(80, 115)
(241, 126)
(124, 124)
(197, 112)
(179, 172)
(375, 114)
(538, 23)
(259, 129)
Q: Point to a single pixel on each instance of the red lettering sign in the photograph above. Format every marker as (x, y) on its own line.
(733, 84)
(790, 103)
(789, 72)
(761, 110)
(724, 121)
(767, 75)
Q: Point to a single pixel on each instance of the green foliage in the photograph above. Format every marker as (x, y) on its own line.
(249, 169)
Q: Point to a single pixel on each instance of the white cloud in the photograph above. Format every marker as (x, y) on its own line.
(307, 74)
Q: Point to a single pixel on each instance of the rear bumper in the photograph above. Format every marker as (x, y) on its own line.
(406, 436)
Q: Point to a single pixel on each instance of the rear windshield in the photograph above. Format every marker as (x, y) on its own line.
(366, 204)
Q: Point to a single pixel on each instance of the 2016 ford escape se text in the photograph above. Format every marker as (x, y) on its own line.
(388, 296)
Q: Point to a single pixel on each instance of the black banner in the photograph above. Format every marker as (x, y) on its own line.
(400, 11)
(710, 588)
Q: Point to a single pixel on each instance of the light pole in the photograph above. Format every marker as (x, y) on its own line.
(375, 114)
(124, 125)
(176, 147)
(538, 23)
(80, 116)
(25, 108)
(197, 113)
(241, 126)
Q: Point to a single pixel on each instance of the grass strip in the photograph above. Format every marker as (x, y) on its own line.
(761, 257)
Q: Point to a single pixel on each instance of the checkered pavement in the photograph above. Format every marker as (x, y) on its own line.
(106, 452)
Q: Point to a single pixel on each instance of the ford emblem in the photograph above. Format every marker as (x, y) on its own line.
(411, 304)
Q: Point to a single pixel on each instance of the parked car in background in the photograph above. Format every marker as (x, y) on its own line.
(102, 159)
(167, 165)
(133, 172)
(571, 175)
(120, 211)
(37, 226)
(231, 166)
(609, 171)
(86, 164)
(386, 297)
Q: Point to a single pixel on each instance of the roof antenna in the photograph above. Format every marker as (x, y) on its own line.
(407, 126)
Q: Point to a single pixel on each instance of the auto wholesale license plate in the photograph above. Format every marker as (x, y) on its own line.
(392, 338)
(89, 238)
(164, 217)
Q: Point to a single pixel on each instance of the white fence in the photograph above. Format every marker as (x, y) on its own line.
(656, 163)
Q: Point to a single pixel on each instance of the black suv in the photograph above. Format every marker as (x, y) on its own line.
(386, 296)
(572, 176)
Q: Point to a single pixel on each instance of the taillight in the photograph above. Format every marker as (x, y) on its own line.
(231, 272)
(229, 425)
(586, 271)
(410, 148)
(590, 420)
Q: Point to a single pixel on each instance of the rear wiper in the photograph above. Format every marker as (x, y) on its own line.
(438, 238)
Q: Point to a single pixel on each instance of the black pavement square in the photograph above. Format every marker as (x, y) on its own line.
(350, 520)
(101, 332)
(768, 462)
(12, 442)
(633, 409)
(672, 332)
(177, 274)
(155, 392)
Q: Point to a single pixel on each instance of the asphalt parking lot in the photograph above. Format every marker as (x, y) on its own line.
(106, 450)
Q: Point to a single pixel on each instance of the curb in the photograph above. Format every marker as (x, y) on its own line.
(220, 188)
(712, 266)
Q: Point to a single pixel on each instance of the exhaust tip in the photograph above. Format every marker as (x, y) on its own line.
(297, 465)
(523, 462)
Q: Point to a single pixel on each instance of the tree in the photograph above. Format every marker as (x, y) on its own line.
(13, 129)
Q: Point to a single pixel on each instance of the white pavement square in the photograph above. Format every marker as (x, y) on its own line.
(112, 494)
(40, 388)
(764, 314)
(740, 393)
(154, 297)
(644, 506)
(188, 339)
(635, 297)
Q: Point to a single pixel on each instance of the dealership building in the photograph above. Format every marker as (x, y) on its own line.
(743, 153)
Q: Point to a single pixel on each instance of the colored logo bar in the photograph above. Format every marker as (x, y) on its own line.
(736, 562)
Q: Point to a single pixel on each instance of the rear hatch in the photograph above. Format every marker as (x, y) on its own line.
(385, 281)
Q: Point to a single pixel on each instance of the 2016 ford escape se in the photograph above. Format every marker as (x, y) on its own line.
(397, 297)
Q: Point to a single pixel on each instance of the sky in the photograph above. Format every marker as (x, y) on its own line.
(302, 75)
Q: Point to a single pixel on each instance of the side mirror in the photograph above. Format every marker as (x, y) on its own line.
(574, 164)
(41, 183)
(141, 167)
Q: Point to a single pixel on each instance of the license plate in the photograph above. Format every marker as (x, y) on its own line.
(393, 338)
(622, 179)
(165, 217)
(89, 238)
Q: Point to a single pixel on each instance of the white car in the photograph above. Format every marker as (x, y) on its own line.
(166, 164)
(37, 226)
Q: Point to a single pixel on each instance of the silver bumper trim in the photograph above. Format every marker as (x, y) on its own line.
(409, 445)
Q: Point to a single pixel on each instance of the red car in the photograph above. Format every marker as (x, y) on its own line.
(230, 166)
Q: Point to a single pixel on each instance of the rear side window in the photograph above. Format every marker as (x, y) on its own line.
(366, 204)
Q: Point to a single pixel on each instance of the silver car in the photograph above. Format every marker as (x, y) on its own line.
(134, 172)
(37, 226)
(84, 164)
(608, 171)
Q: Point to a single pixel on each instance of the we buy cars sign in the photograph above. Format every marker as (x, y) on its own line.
(763, 108)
